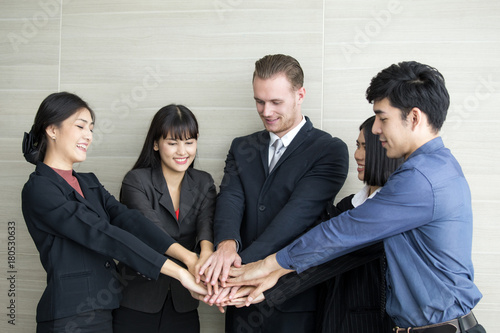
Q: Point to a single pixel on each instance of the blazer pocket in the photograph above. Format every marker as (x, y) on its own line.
(77, 283)
(73, 292)
(75, 275)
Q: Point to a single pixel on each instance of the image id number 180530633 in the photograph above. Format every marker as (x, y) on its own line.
(11, 272)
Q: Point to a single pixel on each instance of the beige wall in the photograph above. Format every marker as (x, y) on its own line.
(129, 58)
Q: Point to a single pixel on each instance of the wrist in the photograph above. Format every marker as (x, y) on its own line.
(190, 259)
(205, 253)
(206, 248)
(271, 264)
(171, 269)
(228, 244)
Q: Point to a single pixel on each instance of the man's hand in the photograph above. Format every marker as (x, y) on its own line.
(251, 273)
(219, 298)
(202, 298)
(263, 274)
(240, 297)
(218, 264)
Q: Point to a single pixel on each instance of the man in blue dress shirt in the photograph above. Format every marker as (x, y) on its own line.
(423, 214)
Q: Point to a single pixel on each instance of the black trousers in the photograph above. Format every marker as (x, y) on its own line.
(98, 321)
(126, 320)
(261, 318)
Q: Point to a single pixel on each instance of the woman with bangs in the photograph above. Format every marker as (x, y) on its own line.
(165, 187)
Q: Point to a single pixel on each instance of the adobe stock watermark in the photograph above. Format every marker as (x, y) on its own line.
(363, 36)
(223, 6)
(121, 107)
(47, 9)
(482, 92)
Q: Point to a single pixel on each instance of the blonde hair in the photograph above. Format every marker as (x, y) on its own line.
(275, 64)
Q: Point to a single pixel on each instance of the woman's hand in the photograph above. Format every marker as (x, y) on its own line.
(262, 274)
(240, 297)
(189, 282)
(207, 248)
(191, 262)
(252, 273)
(170, 268)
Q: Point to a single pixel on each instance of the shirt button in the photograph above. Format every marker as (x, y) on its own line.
(107, 264)
(262, 208)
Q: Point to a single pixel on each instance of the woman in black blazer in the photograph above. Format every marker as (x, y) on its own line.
(79, 228)
(165, 187)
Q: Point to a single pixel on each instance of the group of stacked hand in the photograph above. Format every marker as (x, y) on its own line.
(223, 281)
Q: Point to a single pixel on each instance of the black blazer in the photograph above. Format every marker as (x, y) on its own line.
(78, 238)
(146, 190)
(264, 212)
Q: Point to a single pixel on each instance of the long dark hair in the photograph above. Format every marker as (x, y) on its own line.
(378, 167)
(53, 110)
(176, 121)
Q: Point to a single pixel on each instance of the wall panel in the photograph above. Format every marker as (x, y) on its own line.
(129, 58)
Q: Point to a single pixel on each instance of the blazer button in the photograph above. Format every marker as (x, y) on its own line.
(107, 264)
(262, 208)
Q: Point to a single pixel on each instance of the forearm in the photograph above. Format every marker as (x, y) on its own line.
(205, 218)
(206, 248)
(179, 252)
(171, 269)
(271, 265)
(183, 276)
(294, 284)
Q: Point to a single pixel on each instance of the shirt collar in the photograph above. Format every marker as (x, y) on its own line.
(362, 195)
(288, 137)
(428, 147)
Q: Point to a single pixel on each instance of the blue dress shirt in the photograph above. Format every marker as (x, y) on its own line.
(424, 215)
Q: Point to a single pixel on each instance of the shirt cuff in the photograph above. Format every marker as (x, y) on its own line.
(284, 259)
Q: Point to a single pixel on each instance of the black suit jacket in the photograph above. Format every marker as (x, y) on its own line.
(78, 238)
(265, 211)
(146, 190)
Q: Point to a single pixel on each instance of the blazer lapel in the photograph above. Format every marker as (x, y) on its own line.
(264, 150)
(160, 185)
(89, 190)
(188, 191)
